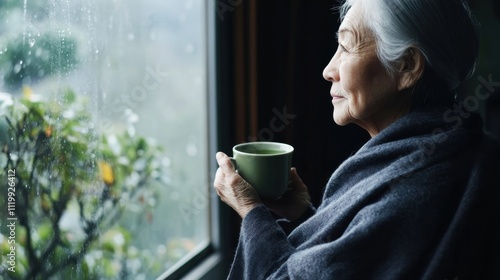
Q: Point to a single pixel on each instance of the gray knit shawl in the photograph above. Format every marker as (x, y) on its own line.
(418, 201)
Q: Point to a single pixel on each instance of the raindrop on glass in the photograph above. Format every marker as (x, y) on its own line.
(17, 68)
(191, 150)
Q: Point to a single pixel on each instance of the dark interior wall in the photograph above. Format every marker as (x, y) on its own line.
(487, 13)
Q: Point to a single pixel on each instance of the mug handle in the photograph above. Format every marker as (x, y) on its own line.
(233, 162)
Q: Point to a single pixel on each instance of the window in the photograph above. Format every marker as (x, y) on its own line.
(121, 189)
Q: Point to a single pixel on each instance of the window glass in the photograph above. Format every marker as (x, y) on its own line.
(103, 137)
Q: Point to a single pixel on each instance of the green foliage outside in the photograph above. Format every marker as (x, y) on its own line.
(22, 60)
(87, 204)
(71, 188)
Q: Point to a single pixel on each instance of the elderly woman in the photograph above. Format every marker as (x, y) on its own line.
(420, 199)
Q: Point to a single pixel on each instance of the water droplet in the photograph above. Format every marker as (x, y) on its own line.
(191, 150)
(14, 157)
(96, 51)
(17, 68)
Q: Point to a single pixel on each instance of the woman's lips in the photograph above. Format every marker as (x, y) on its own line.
(336, 97)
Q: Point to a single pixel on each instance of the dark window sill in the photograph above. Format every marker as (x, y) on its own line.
(201, 263)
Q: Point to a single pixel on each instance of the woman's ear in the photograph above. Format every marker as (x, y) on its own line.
(411, 68)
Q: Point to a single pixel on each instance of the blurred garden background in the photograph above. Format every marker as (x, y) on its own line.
(103, 113)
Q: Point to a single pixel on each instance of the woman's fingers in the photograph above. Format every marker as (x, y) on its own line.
(224, 163)
(219, 178)
(297, 181)
(232, 188)
(227, 171)
(294, 202)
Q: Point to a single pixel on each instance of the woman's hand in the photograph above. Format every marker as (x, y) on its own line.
(233, 189)
(293, 203)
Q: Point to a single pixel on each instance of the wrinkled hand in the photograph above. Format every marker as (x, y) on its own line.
(293, 203)
(233, 189)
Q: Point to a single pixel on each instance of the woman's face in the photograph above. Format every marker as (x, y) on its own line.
(362, 91)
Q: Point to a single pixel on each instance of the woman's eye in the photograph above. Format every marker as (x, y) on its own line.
(342, 48)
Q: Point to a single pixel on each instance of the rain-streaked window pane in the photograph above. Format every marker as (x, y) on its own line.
(103, 137)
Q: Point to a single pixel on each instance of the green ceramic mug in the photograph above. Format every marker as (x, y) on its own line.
(265, 166)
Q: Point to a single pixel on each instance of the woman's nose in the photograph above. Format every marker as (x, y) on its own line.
(330, 73)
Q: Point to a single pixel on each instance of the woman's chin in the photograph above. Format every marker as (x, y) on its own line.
(340, 119)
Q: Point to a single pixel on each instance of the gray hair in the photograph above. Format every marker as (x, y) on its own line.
(443, 30)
